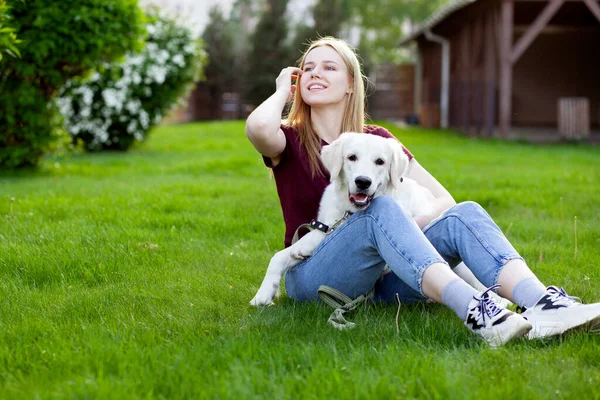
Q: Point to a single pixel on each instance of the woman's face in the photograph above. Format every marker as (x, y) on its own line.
(325, 79)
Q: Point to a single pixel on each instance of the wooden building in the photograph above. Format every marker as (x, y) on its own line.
(392, 95)
(500, 67)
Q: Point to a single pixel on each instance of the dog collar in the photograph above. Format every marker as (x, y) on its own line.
(319, 225)
(314, 224)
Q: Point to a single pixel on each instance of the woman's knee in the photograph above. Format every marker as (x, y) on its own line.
(383, 205)
(468, 208)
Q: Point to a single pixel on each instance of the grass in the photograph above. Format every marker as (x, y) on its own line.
(129, 276)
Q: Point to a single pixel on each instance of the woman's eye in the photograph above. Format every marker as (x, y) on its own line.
(379, 161)
(352, 157)
(307, 69)
(329, 68)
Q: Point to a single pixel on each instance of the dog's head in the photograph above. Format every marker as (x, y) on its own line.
(365, 165)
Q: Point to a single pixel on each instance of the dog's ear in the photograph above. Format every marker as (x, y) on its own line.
(332, 156)
(399, 162)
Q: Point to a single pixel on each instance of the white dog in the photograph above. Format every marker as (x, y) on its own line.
(362, 167)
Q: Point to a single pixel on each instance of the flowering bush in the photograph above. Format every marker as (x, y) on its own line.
(117, 106)
(59, 40)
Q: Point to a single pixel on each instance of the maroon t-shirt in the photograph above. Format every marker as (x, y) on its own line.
(299, 192)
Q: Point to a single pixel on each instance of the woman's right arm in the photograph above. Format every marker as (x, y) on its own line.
(263, 126)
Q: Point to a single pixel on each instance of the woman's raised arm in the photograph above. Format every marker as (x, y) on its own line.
(263, 124)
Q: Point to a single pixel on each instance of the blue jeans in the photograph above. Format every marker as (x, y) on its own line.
(353, 258)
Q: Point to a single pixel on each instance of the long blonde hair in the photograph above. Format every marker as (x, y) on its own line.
(354, 112)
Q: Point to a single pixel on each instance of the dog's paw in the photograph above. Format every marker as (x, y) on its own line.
(265, 295)
(303, 251)
(297, 255)
(258, 301)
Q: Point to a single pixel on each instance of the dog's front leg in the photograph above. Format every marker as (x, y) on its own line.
(279, 263)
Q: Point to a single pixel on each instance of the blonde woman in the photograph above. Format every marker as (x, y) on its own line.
(328, 98)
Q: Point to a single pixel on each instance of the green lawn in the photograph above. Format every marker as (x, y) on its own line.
(129, 275)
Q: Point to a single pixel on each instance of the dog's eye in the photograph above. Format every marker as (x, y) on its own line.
(352, 157)
(379, 161)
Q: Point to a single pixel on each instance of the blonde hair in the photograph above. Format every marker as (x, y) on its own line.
(354, 112)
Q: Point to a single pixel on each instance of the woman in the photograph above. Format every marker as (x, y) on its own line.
(328, 99)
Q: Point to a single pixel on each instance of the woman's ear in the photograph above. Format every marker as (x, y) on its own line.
(332, 157)
(399, 163)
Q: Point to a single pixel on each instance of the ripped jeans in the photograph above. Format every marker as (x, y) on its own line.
(353, 258)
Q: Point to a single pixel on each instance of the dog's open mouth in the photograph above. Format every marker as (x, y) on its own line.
(360, 200)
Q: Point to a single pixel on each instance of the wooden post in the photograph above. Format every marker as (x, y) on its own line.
(478, 76)
(490, 72)
(465, 82)
(506, 38)
(418, 94)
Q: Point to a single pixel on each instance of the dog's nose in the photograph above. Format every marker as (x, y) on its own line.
(362, 182)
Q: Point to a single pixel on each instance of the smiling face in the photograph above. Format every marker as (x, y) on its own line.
(325, 79)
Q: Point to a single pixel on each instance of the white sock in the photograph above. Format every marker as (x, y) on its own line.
(457, 295)
(528, 291)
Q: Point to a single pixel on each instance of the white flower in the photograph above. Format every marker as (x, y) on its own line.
(136, 78)
(111, 98)
(162, 57)
(189, 48)
(133, 106)
(158, 73)
(132, 127)
(144, 119)
(179, 60)
(151, 29)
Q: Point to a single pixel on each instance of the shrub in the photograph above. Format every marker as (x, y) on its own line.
(8, 38)
(118, 106)
(61, 40)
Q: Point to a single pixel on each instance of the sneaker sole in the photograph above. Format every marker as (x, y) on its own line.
(550, 329)
(515, 327)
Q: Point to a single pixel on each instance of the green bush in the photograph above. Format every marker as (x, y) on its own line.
(61, 40)
(8, 38)
(119, 105)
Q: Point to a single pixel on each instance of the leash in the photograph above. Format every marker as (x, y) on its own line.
(341, 304)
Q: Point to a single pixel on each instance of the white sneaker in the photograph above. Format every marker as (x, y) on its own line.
(556, 312)
(495, 324)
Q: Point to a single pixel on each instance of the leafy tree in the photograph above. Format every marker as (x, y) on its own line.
(8, 38)
(239, 28)
(329, 18)
(382, 23)
(330, 15)
(267, 52)
(220, 71)
(63, 39)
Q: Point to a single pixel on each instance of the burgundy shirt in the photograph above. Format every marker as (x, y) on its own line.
(299, 192)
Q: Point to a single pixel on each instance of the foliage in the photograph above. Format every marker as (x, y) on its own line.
(129, 277)
(8, 38)
(221, 74)
(267, 52)
(121, 103)
(329, 18)
(383, 22)
(61, 40)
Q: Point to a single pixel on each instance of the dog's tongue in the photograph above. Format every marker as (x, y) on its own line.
(358, 198)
